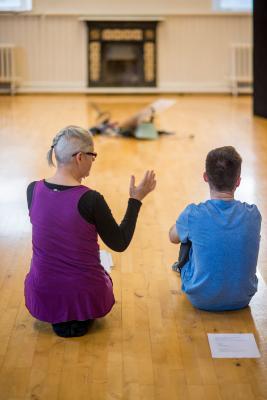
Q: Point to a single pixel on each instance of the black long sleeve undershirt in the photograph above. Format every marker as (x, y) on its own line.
(94, 209)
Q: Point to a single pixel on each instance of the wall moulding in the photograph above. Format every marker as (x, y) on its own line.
(122, 18)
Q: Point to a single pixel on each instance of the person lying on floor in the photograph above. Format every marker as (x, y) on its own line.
(67, 285)
(128, 128)
(219, 240)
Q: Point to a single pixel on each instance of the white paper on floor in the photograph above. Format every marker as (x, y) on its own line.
(233, 345)
(106, 260)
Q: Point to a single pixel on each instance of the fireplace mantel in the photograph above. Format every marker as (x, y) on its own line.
(122, 18)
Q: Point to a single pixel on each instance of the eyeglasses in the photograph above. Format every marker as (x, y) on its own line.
(89, 153)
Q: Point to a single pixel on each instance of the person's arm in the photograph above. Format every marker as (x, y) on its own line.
(115, 236)
(133, 121)
(179, 232)
(94, 209)
(173, 235)
(30, 189)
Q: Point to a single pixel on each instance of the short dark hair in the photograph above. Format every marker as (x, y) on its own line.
(223, 167)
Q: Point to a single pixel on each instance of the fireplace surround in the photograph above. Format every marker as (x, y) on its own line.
(122, 54)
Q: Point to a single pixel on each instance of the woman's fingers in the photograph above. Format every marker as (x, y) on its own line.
(148, 183)
(143, 181)
(152, 181)
(132, 182)
(153, 184)
(150, 178)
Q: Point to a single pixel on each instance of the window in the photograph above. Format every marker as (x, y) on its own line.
(15, 5)
(232, 5)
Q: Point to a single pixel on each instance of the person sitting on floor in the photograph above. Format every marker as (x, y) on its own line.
(219, 240)
(67, 285)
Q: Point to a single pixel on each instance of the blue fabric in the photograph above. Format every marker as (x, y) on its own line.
(221, 271)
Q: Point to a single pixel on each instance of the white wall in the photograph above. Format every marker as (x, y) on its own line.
(52, 51)
(118, 7)
(194, 54)
(193, 49)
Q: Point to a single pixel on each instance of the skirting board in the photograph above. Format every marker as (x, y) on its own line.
(78, 87)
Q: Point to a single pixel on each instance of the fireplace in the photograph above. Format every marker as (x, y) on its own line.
(121, 54)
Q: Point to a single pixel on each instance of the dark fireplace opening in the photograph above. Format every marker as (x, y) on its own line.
(122, 54)
(122, 63)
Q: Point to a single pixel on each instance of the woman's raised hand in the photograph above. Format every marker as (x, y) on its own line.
(147, 184)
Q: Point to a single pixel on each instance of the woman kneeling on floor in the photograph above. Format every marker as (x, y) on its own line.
(67, 285)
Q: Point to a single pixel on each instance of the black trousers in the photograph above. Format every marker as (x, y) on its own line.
(183, 256)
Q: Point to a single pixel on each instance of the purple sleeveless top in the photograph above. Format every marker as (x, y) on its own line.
(66, 280)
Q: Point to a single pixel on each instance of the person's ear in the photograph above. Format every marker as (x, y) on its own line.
(238, 181)
(205, 177)
(78, 157)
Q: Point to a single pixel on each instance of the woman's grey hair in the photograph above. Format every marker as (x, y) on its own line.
(68, 141)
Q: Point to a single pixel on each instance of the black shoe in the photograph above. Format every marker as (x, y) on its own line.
(62, 329)
(79, 328)
(175, 267)
(72, 328)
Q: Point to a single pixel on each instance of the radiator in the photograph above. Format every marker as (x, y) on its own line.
(7, 65)
(241, 68)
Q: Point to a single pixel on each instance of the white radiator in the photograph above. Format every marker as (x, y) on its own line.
(7, 65)
(241, 67)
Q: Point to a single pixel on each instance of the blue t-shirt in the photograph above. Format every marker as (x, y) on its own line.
(221, 271)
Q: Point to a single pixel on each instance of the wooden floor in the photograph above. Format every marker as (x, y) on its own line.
(153, 345)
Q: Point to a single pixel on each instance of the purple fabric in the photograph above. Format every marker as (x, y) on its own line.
(66, 280)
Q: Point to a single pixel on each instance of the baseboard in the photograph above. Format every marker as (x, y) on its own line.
(164, 87)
